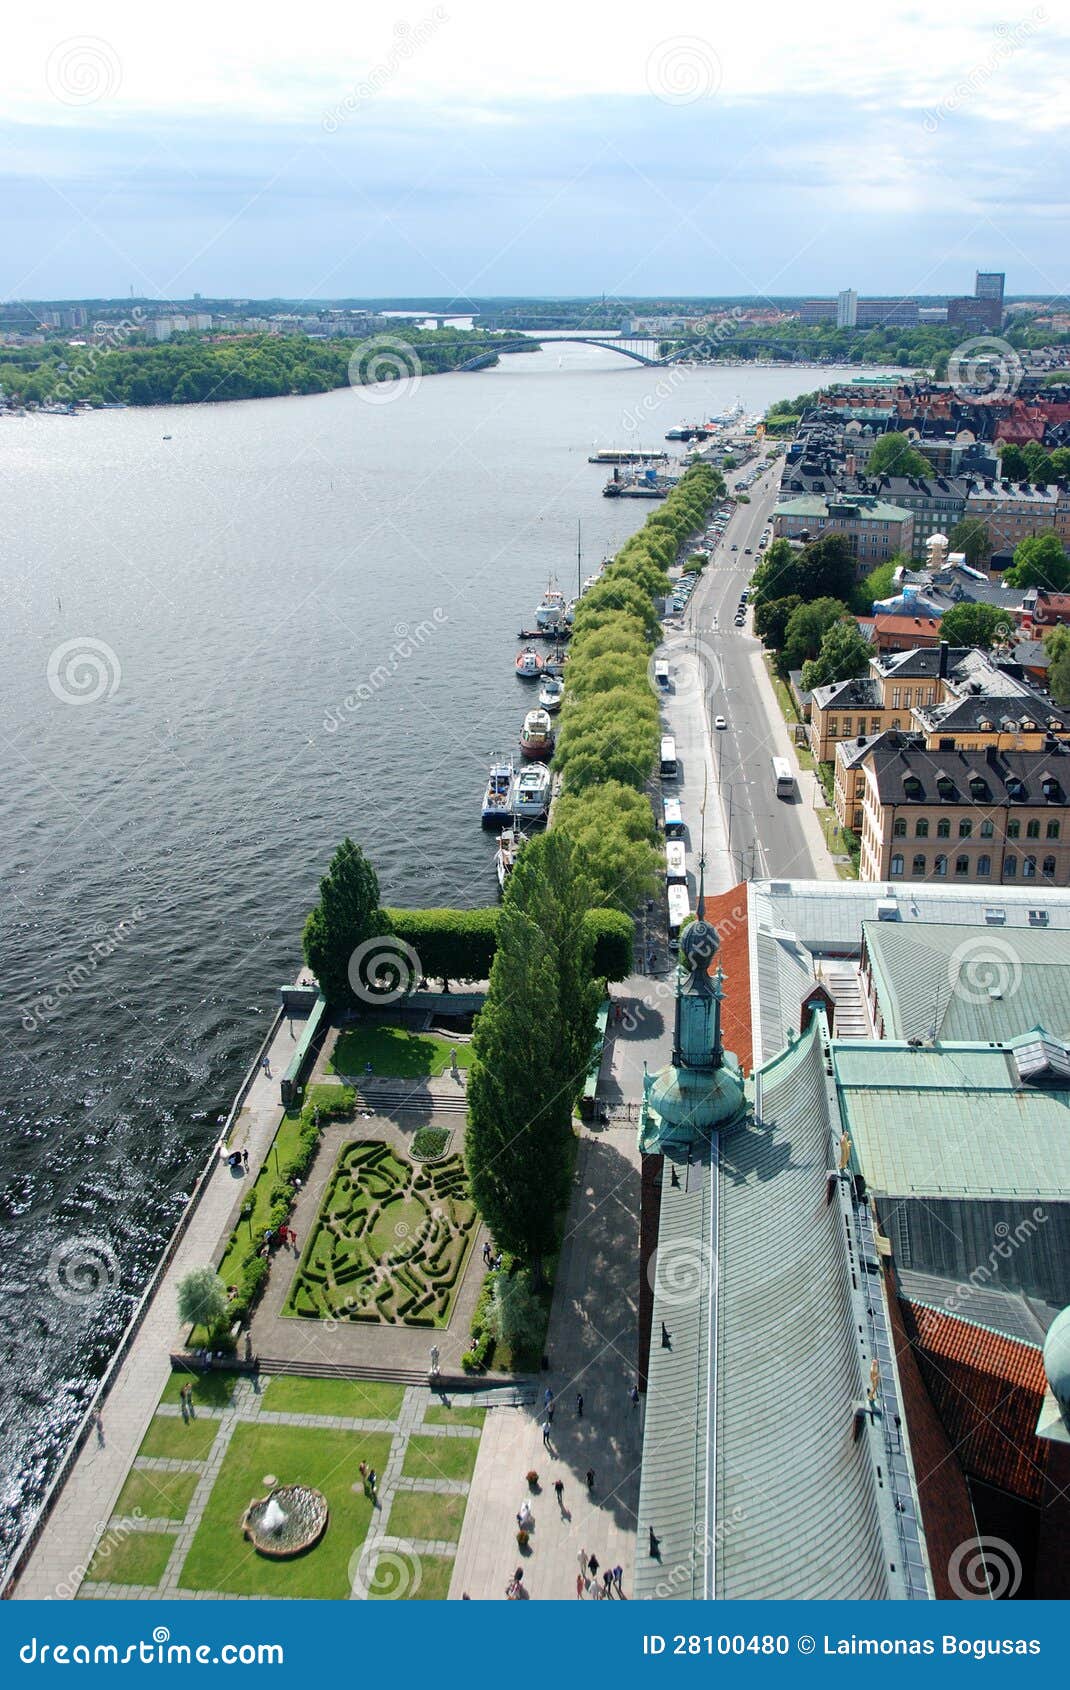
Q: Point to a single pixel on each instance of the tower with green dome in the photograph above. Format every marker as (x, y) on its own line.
(701, 1090)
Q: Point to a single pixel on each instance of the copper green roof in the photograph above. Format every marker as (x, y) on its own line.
(969, 983)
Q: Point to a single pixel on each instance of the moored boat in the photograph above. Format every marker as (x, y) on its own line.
(537, 735)
(529, 664)
(531, 792)
(551, 692)
(551, 607)
(498, 796)
(509, 844)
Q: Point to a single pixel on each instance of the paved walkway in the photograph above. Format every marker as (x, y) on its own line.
(85, 1504)
(592, 1349)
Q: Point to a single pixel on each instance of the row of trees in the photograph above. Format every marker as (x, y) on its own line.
(803, 601)
(608, 739)
(191, 370)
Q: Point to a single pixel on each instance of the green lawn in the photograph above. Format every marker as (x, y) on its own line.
(210, 1390)
(156, 1496)
(440, 1458)
(137, 1558)
(395, 1053)
(352, 1399)
(441, 1414)
(426, 1516)
(411, 1578)
(221, 1559)
(259, 1192)
(180, 1440)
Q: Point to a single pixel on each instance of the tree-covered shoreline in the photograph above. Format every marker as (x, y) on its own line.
(199, 370)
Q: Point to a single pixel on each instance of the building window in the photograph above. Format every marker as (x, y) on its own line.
(918, 865)
(1053, 830)
(908, 694)
(1032, 830)
(1029, 868)
(921, 828)
(1014, 828)
(899, 831)
(897, 864)
(1049, 868)
(834, 726)
(965, 828)
(896, 697)
(984, 865)
(1010, 867)
(986, 830)
(874, 724)
(940, 865)
(858, 819)
(962, 865)
(943, 828)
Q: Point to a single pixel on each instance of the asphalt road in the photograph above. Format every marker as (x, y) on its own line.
(750, 833)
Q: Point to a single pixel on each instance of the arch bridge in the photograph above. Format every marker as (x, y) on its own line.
(627, 346)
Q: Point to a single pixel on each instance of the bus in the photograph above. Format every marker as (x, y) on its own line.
(675, 861)
(661, 673)
(672, 818)
(668, 758)
(783, 778)
(679, 909)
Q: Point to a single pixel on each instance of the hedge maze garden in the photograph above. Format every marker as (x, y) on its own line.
(389, 1242)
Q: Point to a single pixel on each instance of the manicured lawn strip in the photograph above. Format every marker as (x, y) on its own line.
(438, 1414)
(285, 1146)
(136, 1558)
(221, 1559)
(418, 1578)
(440, 1458)
(350, 1399)
(395, 1053)
(156, 1496)
(426, 1516)
(210, 1390)
(179, 1440)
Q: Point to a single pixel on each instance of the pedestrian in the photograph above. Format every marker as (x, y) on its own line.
(498, 1261)
(634, 1394)
(618, 1578)
(546, 1433)
(550, 1414)
(559, 1491)
(607, 1580)
(592, 1566)
(373, 1480)
(583, 1562)
(579, 1405)
(590, 1478)
(486, 1253)
(266, 1064)
(245, 1160)
(293, 1241)
(363, 1469)
(548, 1396)
(579, 1586)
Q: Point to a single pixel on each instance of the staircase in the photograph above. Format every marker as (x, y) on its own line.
(852, 1014)
(394, 1100)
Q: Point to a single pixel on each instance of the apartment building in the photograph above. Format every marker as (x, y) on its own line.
(991, 817)
(875, 530)
(1013, 512)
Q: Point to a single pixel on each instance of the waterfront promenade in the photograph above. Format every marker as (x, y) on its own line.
(87, 1498)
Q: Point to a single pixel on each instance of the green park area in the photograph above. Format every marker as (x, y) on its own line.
(390, 1241)
(395, 1053)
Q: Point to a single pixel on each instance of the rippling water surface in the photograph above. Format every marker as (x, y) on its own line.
(227, 590)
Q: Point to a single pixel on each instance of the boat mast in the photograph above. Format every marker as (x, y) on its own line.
(579, 556)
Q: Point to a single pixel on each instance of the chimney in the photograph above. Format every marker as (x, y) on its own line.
(944, 649)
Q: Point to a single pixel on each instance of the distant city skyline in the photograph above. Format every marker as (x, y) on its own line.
(447, 151)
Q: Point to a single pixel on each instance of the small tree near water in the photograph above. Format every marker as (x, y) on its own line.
(202, 1298)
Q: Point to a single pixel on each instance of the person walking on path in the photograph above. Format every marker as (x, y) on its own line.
(265, 1063)
(579, 1405)
(634, 1396)
(486, 1253)
(583, 1564)
(592, 1566)
(590, 1478)
(245, 1160)
(186, 1395)
(550, 1413)
(607, 1581)
(548, 1397)
(559, 1492)
(579, 1586)
(618, 1579)
(546, 1433)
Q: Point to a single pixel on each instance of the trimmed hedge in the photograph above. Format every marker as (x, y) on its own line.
(470, 937)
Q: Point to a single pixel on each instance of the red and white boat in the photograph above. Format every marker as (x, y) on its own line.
(529, 664)
(536, 736)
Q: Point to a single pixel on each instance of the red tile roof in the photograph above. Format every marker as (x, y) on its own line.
(727, 913)
(987, 1390)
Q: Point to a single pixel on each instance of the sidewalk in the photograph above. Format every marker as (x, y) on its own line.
(88, 1497)
(810, 790)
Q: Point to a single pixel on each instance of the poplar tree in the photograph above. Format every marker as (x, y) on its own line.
(347, 914)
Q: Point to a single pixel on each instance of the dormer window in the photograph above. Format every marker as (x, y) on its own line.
(912, 786)
(978, 787)
(1015, 789)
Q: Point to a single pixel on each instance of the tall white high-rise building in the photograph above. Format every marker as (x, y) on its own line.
(846, 309)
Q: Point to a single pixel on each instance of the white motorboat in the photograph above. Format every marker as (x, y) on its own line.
(531, 792)
(498, 796)
(551, 693)
(537, 735)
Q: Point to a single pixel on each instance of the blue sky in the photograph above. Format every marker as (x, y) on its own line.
(450, 152)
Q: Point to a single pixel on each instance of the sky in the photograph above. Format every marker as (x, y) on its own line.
(471, 148)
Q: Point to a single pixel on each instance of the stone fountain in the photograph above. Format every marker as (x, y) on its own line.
(291, 1519)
